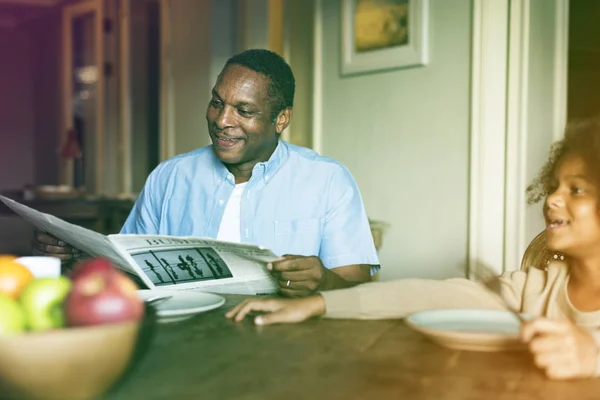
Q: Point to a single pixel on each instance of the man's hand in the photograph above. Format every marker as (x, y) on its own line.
(562, 349)
(44, 244)
(298, 276)
(301, 276)
(279, 311)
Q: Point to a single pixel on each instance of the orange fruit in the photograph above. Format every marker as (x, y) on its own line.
(7, 257)
(13, 278)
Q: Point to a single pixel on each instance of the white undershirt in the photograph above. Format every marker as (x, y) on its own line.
(229, 230)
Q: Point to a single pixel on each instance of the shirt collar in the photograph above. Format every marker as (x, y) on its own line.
(264, 170)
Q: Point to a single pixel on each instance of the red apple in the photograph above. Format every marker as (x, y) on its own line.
(91, 265)
(101, 294)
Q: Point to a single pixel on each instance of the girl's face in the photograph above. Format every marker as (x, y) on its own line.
(571, 210)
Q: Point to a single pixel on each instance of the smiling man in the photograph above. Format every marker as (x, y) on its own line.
(250, 186)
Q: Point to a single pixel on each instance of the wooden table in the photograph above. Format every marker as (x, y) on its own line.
(210, 357)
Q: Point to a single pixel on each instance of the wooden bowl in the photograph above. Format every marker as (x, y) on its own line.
(70, 363)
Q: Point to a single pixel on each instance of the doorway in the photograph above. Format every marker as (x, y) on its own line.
(583, 98)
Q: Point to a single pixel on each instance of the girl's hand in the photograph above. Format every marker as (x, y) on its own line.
(279, 311)
(561, 348)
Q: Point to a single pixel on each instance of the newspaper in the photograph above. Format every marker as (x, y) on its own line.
(167, 262)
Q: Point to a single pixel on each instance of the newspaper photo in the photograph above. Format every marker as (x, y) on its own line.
(197, 263)
(167, 262)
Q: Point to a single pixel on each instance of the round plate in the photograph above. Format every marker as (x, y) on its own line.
(183, 304)
(477, 330)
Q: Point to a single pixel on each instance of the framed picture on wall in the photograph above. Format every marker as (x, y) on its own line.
(383, 34)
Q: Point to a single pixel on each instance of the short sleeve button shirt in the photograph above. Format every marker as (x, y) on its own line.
(297, 202)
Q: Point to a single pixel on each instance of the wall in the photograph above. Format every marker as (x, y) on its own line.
(223, 41)
(16, 109)
(191, 63)
(300, 53)
(203, 37)
(404, 134)
(44, 39)
(16, 128)
(144, 83)
(253, 19)
(29, 112)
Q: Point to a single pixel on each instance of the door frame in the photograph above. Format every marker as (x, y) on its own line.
(499, 120)
(69, 12)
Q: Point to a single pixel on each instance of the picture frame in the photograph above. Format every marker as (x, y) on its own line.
(379, 35)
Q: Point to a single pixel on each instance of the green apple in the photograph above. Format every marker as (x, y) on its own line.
(12, 319)
(42, 301)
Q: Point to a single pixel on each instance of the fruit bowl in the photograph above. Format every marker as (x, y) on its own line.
(71, 363)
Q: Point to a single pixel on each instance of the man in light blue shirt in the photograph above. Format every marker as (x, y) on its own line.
(249, 186)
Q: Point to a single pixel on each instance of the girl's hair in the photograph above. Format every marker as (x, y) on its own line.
(582, 138)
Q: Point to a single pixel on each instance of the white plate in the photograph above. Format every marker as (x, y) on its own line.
(183, 304)
(478, 330)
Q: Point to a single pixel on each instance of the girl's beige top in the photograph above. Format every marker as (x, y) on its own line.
(534, 291)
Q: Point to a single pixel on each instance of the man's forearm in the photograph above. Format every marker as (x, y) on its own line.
(332, 280)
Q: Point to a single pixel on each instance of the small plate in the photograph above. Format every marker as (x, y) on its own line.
(476, 330)
(183, 304)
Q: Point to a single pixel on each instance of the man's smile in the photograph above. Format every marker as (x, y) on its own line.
(226, 142)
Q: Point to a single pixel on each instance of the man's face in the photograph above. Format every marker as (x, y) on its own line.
(239, 116)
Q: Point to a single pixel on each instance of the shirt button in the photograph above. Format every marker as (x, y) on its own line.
(221, 202)
(266, 177)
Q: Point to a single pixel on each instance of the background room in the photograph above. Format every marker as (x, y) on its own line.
(442, 123)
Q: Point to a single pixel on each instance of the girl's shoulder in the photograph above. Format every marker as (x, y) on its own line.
(538, 280)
